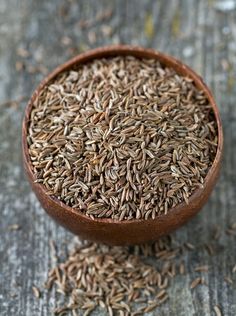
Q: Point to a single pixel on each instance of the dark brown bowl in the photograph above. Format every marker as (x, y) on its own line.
(133, 231)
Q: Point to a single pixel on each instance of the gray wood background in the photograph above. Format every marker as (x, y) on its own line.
(36, 36)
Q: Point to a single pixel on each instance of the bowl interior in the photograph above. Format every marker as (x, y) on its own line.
(112, 51)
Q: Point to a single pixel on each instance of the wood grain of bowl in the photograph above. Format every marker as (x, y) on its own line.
(132, 231)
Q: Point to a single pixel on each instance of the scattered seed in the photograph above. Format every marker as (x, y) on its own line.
(182, 268)
(217, 310)
(101, 16)
(228, 280)
(92, 38)
(209, 249)
(234, 269)
(66, 41)
(14, 227)
(189, 246)
(195, 283)
(106, 30)
(161, 294)
(22, 52)
(14, 103)
(115, 278)
(216, 233)
(230, 231)
(233, 226)
(36, 291)
(19, 65)
(202, 268)
(53, 250)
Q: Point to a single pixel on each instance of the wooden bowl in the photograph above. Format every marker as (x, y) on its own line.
(133, 231)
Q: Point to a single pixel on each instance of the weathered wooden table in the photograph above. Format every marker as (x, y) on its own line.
(38, 35)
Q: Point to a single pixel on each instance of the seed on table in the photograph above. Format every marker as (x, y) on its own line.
(228, 280)
(189, 246)
(216, 233)
(196, 282)
(234, 269)
(161, 294)
(202, 268)
(36, 292)
(217, 310)
(115, 278)
(14, 227)
(230, 231)
(209, 249)
(233, 226)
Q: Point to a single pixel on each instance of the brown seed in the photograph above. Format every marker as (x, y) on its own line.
(182, 268)
(230, 231)
(228, 280)
(14, 227)
(22, 52)
(92, 37)
(19, 65)
(209, 249)
(202, 268)
(14, 103)
(106, 30)
(161, 294)
(216, 233)
(151, 307)
(36, 292)
(217, 310)
(233, 226)
(53, 249)
(196, 282)
(189, 246)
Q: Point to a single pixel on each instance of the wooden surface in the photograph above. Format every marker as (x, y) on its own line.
(200, 33)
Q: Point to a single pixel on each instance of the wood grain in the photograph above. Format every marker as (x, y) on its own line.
(201, 34)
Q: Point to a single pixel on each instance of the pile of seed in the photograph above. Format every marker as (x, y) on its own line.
(116, 279)
(121, 138)
(126, 281)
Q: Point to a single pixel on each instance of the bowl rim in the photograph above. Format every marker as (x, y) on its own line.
(116, 50)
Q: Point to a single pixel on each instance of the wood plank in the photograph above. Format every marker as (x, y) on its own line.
(197, 32)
